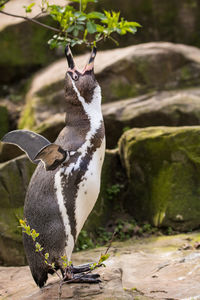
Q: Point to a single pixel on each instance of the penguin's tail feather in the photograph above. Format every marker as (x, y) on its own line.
(40, 277)
(36, 262)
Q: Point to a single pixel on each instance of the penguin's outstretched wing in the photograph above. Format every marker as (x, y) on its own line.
(37, 148)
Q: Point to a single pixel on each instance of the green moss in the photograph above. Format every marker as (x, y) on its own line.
(4, 125)
(123, 91)
(23, 48)
(163, 165)
(14, 179)
(47, 90)
(185, 73)
(27, 119)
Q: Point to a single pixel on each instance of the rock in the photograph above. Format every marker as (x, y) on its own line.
(51, 127)
(18, 7)
(20, 43)
(8, 152)
(14, 179)
(9, 113)
(171, 108)
(122, 73)
(3, 120)
(136, 269)
(162, 165)
(13, 113)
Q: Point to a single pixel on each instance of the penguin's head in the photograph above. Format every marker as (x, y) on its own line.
(80, 82)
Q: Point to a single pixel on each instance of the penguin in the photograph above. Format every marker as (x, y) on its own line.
(66, 182)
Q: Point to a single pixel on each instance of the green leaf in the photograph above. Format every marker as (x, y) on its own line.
(85, 34)
(80, 16)
(93, 266)
(91, 27)
(84, 3)
(28, 8)
(22, 223)
(75, 32)
(64, 258)
(100, 28)
(38, 247)
(46, 256)
(103, 258)
(96, 15)
(134, 24)
(70, 28)
(34, 234)
(52, 43)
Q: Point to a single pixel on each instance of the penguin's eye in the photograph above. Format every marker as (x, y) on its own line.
(75, 76)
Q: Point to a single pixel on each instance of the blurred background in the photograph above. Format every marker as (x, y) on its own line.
(151, 108)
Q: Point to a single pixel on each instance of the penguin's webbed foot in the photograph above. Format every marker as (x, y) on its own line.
(86, 278)
(83, 278)
(80, 274)
(81, 269)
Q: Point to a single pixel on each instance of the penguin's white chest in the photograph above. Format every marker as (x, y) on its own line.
(88, 189)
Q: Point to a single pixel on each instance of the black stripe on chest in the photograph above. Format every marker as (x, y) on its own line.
(70, 182)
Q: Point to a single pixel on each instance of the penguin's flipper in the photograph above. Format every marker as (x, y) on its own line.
(37, 148)
(52, 156)
(28, 141)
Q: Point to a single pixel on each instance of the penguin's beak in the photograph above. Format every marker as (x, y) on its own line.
(90, 65)
(69, 57)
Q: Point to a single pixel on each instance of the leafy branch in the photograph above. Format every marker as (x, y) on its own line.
(77, 26)
(66, 265)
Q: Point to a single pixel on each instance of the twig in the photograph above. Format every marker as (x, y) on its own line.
(80, 5)
(60, 289)
(30, 20)
(110, 242)
(38, 15)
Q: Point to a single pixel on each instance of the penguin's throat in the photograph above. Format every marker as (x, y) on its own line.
(94, 116)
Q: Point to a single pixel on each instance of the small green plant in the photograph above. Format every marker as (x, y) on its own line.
(113, 190)
(65, 263)
(76, 25)
(170, 231)
(38, 248)
(84, 241)
(103, 236)
(102, 258)
(126, 129)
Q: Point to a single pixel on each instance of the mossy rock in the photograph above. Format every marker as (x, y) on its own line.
(9, 151)
(163, 169)
(4, 125)
(23, 49)
(169, 108)
(14, 179)
(121, 73)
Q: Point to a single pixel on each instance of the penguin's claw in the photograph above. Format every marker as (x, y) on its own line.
(81, 268)
(80, 274)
